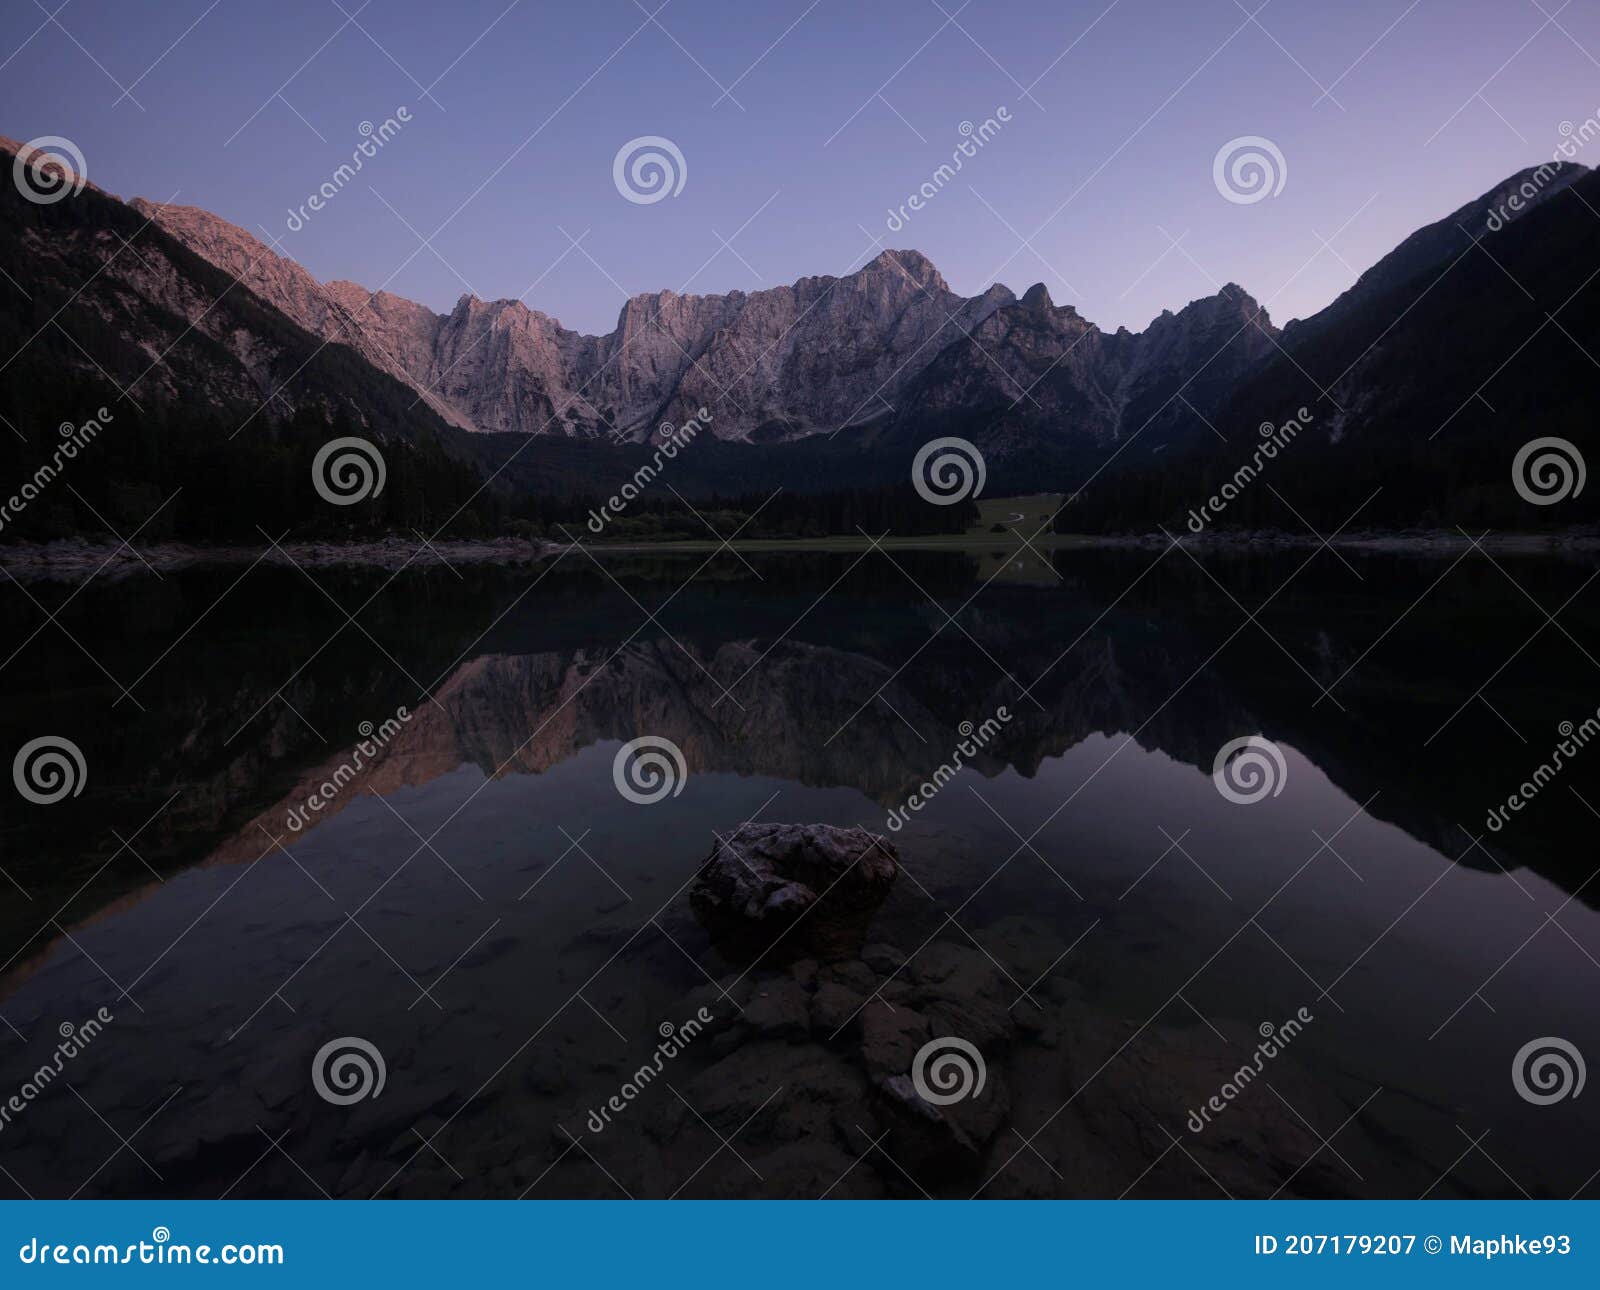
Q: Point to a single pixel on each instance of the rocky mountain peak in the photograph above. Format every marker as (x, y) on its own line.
(1232, 304)
(1037, 298)
(913, 265)
(1038, 373)
(779, 363)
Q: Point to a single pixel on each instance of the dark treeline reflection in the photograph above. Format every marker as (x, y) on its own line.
(275, 679)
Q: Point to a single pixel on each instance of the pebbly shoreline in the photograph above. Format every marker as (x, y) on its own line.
(74, 560)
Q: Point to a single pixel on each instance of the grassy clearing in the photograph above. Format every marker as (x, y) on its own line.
(1024, 514)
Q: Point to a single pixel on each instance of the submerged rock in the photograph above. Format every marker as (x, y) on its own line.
(783, 891)
(937, 1143)
(778, 1006)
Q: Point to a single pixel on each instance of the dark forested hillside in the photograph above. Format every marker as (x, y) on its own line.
(1420, 398)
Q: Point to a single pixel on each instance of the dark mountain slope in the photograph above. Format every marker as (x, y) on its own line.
(208, 389)
(1422, 388)
(93, 286)
(1434, 246)
(1035, 383)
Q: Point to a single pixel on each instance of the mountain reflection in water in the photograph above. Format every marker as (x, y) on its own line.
(479, 903)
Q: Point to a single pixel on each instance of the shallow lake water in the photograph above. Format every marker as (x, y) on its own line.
(512, 935)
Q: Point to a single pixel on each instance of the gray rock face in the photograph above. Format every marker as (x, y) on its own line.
(781, 891)
(336, 316)
(810, 358)
(888, 342)
(1037, 370)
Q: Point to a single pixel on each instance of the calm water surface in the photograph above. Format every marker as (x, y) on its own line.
(483, 906)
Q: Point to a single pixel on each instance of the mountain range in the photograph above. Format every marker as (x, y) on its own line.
(829, 380)
(822, 355)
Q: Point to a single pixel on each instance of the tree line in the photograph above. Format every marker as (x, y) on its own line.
(175, 474)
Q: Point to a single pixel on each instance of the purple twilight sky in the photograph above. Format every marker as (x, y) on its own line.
(802, 124)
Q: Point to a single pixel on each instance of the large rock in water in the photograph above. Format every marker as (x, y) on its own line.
(784, 891)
